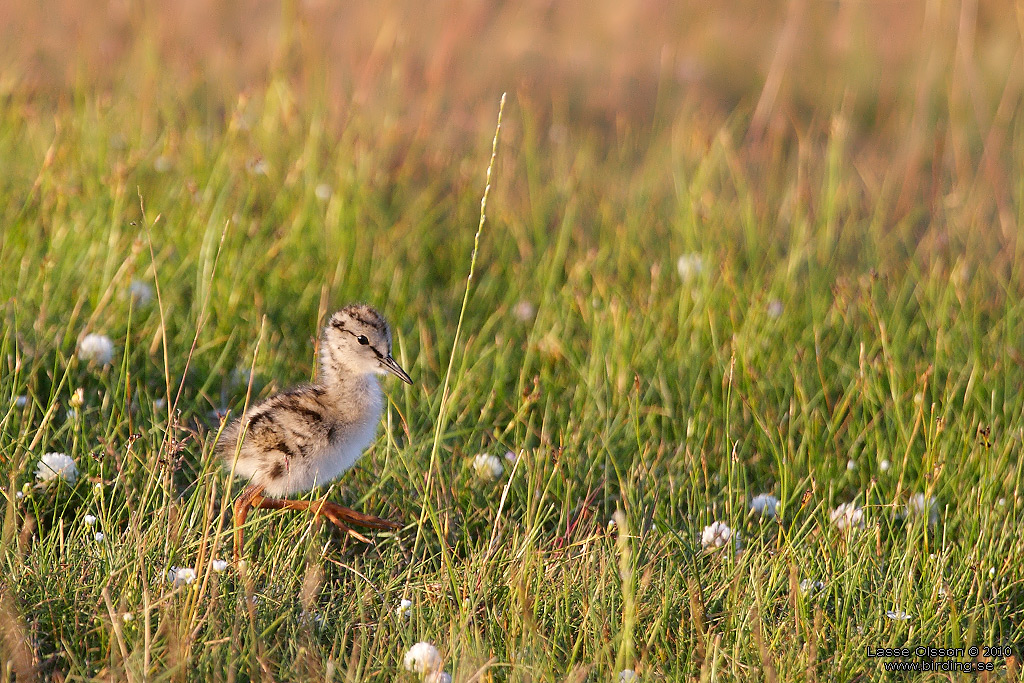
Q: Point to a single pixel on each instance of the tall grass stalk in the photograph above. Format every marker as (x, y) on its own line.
(443, 408)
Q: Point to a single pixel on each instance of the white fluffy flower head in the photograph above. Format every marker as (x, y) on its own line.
(219, 565)
(89, 520)
(140, 293)
(57, 465)
(765, 504)
(488, 466)
(423, 658)
(848, 516)
(180, 576)
(404, 609)
(716, 535)
(524, 311)
(96, 348)
(690, 267)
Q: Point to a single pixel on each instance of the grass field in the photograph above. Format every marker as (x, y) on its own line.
(665, 320)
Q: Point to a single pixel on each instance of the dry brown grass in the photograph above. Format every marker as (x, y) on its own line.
(599, 59)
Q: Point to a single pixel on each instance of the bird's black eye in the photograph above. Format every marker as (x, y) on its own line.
(363, 340)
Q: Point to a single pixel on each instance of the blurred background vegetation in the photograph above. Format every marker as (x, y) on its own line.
(927, 88)
(924, 92)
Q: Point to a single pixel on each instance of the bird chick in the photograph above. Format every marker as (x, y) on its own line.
(310, 435)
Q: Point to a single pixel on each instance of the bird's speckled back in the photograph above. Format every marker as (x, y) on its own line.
(310, 435)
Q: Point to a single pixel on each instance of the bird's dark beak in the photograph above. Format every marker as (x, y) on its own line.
(395, 369)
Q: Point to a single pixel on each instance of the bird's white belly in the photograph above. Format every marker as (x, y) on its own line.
(323, 467)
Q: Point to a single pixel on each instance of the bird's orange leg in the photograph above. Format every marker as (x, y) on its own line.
(338, 515)
(349, 516)
(241, 511)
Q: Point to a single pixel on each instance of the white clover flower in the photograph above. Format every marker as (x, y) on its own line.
(774, 309)
(57, 465)
(162, 164)
(219, 565)
(19, 495)
(810, 586)
(765, 504)
(716, 535)
(511, 457)
(524, 311)
(99, 537)
(89, 520)
(1001, 502)
(21, 401)
(404, 609)
(848, 516)
(628, 676)
(323, 192)
(488, 466)
(438, 677)
(690, 267)
(423, 658)
(181, 575)
(897, 615)
(127, 616)
(96, 349)
(919, 506)
(851, 464)
(884, 465)
(140, 293)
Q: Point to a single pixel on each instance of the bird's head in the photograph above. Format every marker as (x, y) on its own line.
(357, 339)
